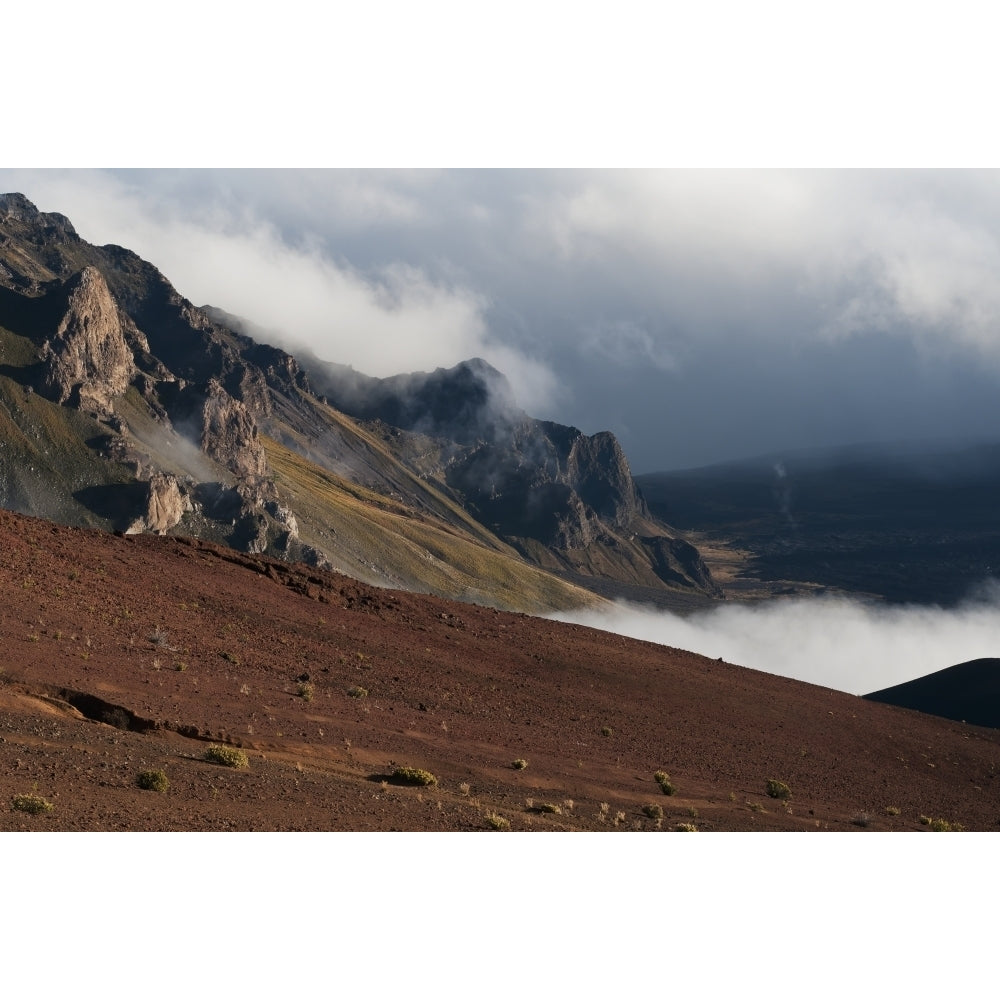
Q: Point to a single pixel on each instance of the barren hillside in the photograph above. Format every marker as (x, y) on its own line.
(126, 654)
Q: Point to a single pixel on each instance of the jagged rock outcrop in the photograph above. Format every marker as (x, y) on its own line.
(679, 562)
(549, 482)
(88, 362)
(17, 206)
(165, 505)
(229, 434)
(598, 471)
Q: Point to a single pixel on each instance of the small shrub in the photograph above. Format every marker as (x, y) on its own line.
(653, 811)
(692, 812)
(892, 810)
(159, 638)
(607, 731)
(497, 822)
(778, 789)
(305, 690)
(550, 807)
(941, 825)
(358, 692)
(33, 804)
(686, 828)
(153, 781)
(227, 756)
(413, 776)
(663, 780)
(520, 764)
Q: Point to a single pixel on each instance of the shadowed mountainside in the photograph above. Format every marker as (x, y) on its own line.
(565, 500)
(968, 692)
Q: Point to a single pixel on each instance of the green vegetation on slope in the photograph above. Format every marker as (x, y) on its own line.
(378, 539)
(47, 467)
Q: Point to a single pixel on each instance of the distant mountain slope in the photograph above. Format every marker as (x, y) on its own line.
(124, 406)
(564, 500)
(908, 524)
(968, 692)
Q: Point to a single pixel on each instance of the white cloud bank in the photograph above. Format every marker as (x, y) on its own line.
(840, 643)
(837, 253)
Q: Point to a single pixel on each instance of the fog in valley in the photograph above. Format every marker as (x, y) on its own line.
(843, 643)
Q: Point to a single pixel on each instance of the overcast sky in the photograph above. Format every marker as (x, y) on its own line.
(700, 315)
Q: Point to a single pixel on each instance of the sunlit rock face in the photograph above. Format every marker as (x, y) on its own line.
(88, 362)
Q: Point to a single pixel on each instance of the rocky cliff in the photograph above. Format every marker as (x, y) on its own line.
(152, 414)
(88, 361)
(562, 498)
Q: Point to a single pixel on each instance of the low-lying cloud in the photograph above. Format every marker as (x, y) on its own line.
(842, 643)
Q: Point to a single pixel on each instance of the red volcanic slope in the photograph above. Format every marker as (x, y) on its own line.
(125, 654)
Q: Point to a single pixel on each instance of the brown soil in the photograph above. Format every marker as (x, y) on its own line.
(124, 654)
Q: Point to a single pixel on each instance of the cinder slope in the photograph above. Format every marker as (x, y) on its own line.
(122, 654)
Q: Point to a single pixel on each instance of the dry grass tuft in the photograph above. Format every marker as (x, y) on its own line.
(413, 776)
(32, 804)
(227, 756)
(778, 789)
(663, 780)
(497, 822)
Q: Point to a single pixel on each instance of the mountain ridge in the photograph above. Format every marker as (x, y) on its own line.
(186, 413)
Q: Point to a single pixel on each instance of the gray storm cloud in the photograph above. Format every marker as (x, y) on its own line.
(840, 643)
(700, 315)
